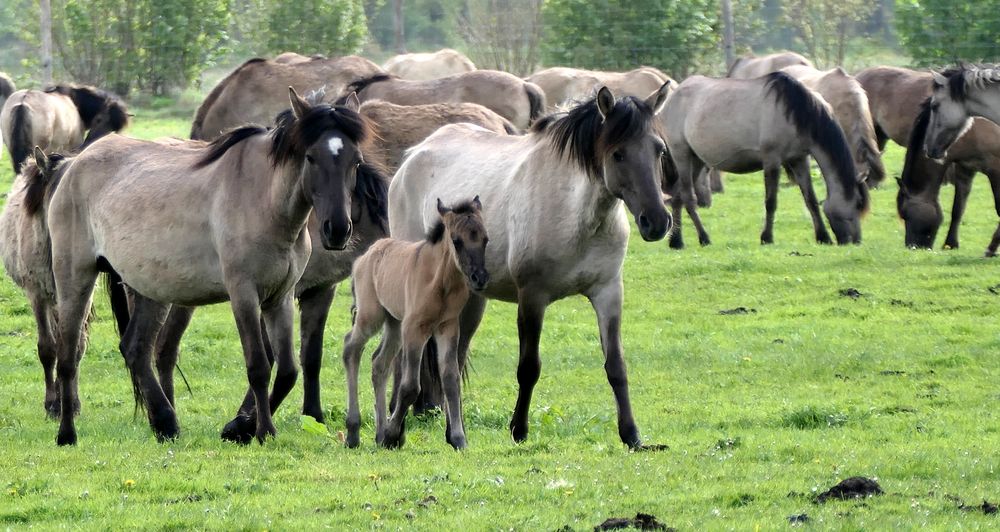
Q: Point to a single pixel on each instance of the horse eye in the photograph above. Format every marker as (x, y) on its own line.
(619, 156)
(310, 159)
(457, 242)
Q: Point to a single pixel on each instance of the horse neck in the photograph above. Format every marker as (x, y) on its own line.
(985, 102)
(287, 203)
(831, 175)
(591, 203)
(441, 259)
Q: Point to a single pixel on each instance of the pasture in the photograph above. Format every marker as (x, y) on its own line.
(762, 409)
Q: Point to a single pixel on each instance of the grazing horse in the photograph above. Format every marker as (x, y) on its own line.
(6, 88)
(743, 126)
(415, 291)
(184, 223)
(750, 66)
(959, 95)
(921, 180)
(556, 218)
(57, 118)
(507, 95)
(433, 65)
(255, 91)
(564, 86)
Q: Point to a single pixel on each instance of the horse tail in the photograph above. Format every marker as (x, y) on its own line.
(119, 301)
(536, 101)
(811, 117)
(197, 127)
(20, 141)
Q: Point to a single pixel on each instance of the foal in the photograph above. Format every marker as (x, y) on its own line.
(416, 290)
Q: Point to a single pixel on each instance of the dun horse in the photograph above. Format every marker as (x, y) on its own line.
(204, 195)
(415, 291)
(564, 86)
(6, 88)
(507, 95)
(434, 65)
(743, 126)
(556, 202)
(750, 67)
(959, 95)
(57, 119)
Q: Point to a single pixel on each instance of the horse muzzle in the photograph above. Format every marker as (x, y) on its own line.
(478, 281)
(335, 237)
(655, 227)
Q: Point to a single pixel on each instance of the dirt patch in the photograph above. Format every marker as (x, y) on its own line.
(797, 519)
(641, 521)
(851, 488)
(737, 311)
(852, 293)
(797, 254)
(651, 448)
(995, 289)
(987, 508)
(892, 372)
(901, 303)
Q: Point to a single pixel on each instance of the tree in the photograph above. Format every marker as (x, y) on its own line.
(502, 34)
(824, 27)
(677, 35)
(935, 32)
(329, 27)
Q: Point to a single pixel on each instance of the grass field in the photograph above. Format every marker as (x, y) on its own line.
(761, 411)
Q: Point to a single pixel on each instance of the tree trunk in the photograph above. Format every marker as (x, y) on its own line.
(397, 23)
(46, 29)
(727, 35)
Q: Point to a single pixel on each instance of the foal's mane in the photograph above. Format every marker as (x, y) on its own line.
(960, 78)
(811, 117)
(91, 101)
(39, 180)
(363, 83)
(586, 138)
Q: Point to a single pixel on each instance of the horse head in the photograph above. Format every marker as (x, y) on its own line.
(949, 119)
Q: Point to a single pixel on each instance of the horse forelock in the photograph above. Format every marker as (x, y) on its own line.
(586, 138)
(810, 116)
(292, 137)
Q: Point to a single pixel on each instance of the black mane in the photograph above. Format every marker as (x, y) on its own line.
(956, 83)
(915, 147)
(40, 180)
(587, 138)
(811, 117)
(90, 102)
(363, 83)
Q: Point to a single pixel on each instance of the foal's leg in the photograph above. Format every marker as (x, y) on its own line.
(382, 364)
(46, 351)
(800, 169)
(366, 323)
(246, 310)
(137, 347)
(991, 251)
(314, 307)
(607, 302)
(530, 314)
(451, 380)
(415, 336)
(168, 344)
(771, 177)
(962, 178)
(74, 288)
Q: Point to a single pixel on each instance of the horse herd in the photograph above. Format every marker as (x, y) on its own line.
(491, 187)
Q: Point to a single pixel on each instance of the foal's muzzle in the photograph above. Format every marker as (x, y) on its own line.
(335, 236)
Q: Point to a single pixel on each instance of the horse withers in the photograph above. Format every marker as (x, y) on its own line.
(415, 291)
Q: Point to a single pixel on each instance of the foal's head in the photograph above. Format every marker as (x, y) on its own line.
(463, 226)
(325, 143)
(949, 118)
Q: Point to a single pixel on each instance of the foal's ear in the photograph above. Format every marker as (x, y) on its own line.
(352, 102)
(299, 106)
(476, 203)
(939, 79)
(442, 210)
(605, 102)
(41, 160)
(658, 99)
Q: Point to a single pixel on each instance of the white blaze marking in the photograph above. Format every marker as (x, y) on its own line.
(336, 143)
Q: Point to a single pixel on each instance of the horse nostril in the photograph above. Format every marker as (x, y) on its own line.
(643, 222)
(328, 228)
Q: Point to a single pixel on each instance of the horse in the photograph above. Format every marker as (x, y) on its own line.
(254, 92)
(7, 88)
(921, 180)
(750, 66)
(563, 85)
(743, 126)
(960, 94)
(556, 218)
(57, 118)
(290, 58)
(896, 97)
(174, 222)
(507, 95)
(425, 66)
(414, 291)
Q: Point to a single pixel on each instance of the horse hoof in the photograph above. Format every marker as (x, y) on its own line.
(766, 240)
(240, 430)
(990, 253)
(519, 434)
(390, 441)
(315, 413)
(352, 441)
(266, 433)
(824, 239)
(458, 442)
(166, 429)
(66, 438)
(53, 409)
(705, 241)
(676, 243)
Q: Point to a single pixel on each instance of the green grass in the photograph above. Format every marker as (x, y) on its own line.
(761, 411)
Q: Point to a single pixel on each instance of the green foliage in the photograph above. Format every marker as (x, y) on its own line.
(676, 35)
(151, 45)
(428, 24)
(825, 27)
(936, 32)
(329, 27)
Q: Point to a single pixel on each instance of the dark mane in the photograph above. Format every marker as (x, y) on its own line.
(90, 102)
(956, 83)
(732, 67)
(915, 147)
(218, 147)
(585, 137)
(39, 181)
(199, 116)
(372, 189)
(810, 116)
(363, 83)
(436, 233)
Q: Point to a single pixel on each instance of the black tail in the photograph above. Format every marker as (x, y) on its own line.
(536, 101)
(20, 141)
(119, 301)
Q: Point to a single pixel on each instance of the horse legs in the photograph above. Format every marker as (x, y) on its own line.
(415, 338)
(703, 188)
(46, 352)
(451, 380)
(800, 170)
(368, 319)
(962, 178)
(168, 344)
(246, 310)
(314, 307)
(137, 347)
(279, 328)
(683, 194)
(607, 302)
(530, 315)
(382, 364)
(715, 177)
(74, 288)
(991, 251)
(771, 176)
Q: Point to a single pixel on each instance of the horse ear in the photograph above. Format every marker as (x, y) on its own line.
(939, 78)
(605, 102)
(41, 160)
(299, 106)
(476, 203)
(352, 102)
(442, 210)
(658, 99)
